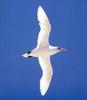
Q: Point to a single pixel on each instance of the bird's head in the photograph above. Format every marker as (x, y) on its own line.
(61, 49)
(27, 55)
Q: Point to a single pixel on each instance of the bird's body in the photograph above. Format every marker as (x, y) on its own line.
(44, 50)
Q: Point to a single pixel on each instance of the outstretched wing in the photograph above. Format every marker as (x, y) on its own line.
(45, 27)
(47, 73)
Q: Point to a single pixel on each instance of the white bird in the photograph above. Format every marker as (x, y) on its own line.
(44, 50)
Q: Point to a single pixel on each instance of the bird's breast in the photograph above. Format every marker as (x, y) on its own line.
(44, 51)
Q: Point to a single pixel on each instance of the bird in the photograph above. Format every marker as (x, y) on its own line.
(44, 50)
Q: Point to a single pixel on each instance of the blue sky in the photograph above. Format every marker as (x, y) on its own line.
(19, 77)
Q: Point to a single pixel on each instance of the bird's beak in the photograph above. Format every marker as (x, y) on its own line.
(25, 55)
(63, 49)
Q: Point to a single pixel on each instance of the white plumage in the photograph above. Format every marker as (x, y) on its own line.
(43, 38)
(44, 50)
(47, 73)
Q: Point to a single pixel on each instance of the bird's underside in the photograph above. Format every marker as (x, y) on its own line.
(43, 40)
(44, 50)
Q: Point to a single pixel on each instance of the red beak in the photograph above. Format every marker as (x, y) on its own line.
(63, 49)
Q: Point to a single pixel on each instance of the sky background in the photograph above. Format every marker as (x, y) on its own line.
(19, 77)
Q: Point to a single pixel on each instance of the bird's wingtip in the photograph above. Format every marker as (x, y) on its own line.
(42, 93)
(40, 7)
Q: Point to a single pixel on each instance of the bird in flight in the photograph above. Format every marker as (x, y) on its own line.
(44, 50)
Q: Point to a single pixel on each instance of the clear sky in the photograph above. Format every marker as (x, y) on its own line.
(19, 77)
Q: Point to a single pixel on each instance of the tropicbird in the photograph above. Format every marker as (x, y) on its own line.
(44, 50)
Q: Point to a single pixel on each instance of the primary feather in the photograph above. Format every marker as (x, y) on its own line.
(47, 73)
(45, 27)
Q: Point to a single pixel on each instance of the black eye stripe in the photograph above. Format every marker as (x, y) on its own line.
(29, 52)
(29, 56)
(59, 48)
